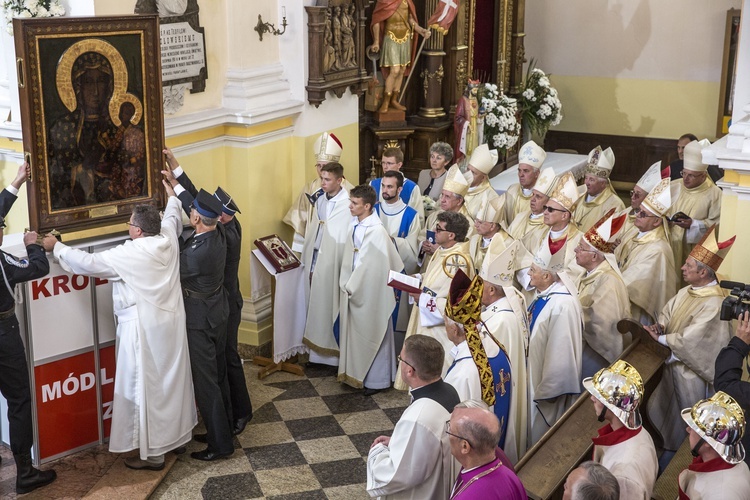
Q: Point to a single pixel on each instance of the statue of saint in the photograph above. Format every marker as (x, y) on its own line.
(393, 25)
(467, 122)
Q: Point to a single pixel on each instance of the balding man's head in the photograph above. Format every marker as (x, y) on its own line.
(475, 432)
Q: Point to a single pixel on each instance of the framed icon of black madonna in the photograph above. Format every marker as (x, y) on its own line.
(91, 113)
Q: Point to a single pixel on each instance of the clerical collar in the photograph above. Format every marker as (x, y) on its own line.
(440, 392)
(641, 234)
(393, 208)
(526, 192)
(486, 242)
(713, 283)
(590, 198)
(557, 234)
(536, 216)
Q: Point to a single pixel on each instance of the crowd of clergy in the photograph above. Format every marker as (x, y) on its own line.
(514, 315)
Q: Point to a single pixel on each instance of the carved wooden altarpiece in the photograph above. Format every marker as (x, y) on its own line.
(91, 109)
(440, 76)
(336, 33)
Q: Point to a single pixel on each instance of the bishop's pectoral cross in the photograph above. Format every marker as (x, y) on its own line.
(453, 263)
(504, 379)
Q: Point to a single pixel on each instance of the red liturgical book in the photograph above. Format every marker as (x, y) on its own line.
(277, 252)
(404, 282)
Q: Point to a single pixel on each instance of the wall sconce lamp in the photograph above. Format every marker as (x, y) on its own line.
(262, 27)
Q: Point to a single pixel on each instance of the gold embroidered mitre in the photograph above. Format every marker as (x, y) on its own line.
(603, 235)
(565, 191)
(659, 199)
(455, 182)
(709, 251)
(600, 163)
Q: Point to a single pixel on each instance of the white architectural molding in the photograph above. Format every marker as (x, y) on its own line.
(257, 91)
(258, 310)
(233, 141)
(10, 155)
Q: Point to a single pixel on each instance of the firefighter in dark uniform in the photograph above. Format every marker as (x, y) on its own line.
(14, 372)
(242, 408)
(202, 258)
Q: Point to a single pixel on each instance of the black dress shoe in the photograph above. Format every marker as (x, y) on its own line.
(370, 392)
(179, 450)
(208, 455)
(201, 438)
(241, 423)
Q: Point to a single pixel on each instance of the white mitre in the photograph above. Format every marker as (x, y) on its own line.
(545, 180)
(651, 178)
(483, 158)
(328, 148)
(532, 154)
(693, 157)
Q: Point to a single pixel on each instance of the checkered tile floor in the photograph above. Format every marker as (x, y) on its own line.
(308, 439)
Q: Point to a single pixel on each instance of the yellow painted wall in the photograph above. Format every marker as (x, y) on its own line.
(640, 108)
(734, 210)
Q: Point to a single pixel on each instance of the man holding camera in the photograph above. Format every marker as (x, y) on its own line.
(729, 368)
(691, 327)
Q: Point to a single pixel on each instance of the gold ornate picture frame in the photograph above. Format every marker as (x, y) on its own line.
(91, 113)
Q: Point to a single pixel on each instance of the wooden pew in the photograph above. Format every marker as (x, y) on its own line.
(545, 466)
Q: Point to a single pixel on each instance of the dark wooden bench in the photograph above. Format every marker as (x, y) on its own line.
(545, 466)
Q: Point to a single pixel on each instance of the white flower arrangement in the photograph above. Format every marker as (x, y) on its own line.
(540, 106)
(30, 8)
(429, 203)
(501, 127)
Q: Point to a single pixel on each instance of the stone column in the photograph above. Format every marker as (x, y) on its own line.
(432, 74)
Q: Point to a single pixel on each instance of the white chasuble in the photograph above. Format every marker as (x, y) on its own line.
(555, 356)
(529, 229)
(516, 202)
(703, 205)
(322, 290)
(427, 316)
(153, 409)
(695, 334)
(479, 196)
(648, 269)
(506, 322)
(367, 304)
(604, 299)
(417, 464)
(588, 213)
